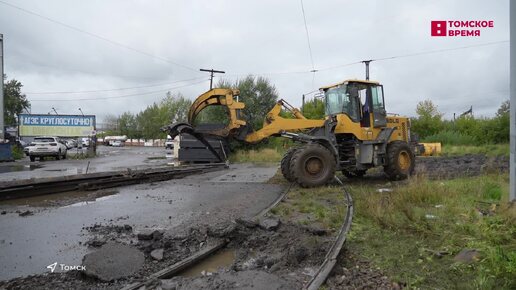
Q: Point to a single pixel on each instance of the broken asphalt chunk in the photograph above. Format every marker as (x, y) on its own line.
(269, 224)
(157, 254)
(148, 234)
(247, 223)
(113, 261)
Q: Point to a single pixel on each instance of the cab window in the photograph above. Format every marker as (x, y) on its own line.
(377, 94)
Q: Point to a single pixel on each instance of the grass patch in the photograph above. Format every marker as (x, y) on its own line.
(401, 232)
(156, 157)
(264, 155)
(491, 150)
(323, 206)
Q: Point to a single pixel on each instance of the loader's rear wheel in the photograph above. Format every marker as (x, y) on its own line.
(312, 165)
(285, 164)
(400, 161)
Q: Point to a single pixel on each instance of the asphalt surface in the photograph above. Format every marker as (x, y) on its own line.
(55, 229)
(107, 159)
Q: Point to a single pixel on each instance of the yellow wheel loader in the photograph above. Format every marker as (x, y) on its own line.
(356, 134)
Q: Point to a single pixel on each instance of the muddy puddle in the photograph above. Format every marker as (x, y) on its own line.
(74, 198)
(220, 260)
(19, 167)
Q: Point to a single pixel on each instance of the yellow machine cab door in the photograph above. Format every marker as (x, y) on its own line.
(379, 112)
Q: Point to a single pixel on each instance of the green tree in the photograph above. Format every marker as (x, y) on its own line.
(258, 95)
(429, 120)
(427, 109)
(502, 123)
(14, 101)
(175, 108)
(128, 125)
(148, 123)
(314, 109)
(504, 108)
(172, 109)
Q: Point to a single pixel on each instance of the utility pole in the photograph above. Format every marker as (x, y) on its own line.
(212, 71)
(303, 105)
(367, 68)
(512, 160)
(2, 126)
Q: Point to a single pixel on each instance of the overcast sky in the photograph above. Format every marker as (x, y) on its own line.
(252, 37)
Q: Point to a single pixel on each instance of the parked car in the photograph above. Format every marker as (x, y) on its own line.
(25, 146)
(169, 143)
(26, 150)
(70, 143)
(85, 142)
(47, 146)
(118, 143)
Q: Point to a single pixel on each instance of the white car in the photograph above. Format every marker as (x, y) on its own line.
(85, 142)
(169, 143)
(47, 146)
(117, 143)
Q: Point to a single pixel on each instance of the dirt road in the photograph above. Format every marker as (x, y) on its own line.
(55, 228)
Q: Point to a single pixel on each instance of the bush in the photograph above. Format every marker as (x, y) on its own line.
(465, 130)
(451, 138)
(17, 152)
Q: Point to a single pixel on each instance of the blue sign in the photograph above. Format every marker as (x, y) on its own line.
(57, 120)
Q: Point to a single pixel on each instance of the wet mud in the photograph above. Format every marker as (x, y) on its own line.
(460, 166)
(282, 255)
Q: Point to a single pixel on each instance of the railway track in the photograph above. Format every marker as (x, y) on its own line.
(94, 181)
(317, 280)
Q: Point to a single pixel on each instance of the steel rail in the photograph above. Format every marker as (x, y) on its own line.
(315, 283)
(200, 255)
(94, 181)
(331, 257)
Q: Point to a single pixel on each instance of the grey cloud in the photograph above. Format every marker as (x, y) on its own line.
(243, 37)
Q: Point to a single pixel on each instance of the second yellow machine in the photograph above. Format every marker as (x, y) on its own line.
(356, 134)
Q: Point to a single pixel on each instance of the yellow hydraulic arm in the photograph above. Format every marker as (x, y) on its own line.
(219, 97)
(273, 123)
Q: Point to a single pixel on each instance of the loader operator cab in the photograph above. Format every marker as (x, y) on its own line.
(360, 100)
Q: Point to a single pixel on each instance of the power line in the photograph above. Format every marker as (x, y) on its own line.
(339, 66)
(111, 90)
(97, 73)
(308, 37)
(266, 73)
(122, 96)
(418, 54)
(377, 59)
(97, 36)
(440, 50)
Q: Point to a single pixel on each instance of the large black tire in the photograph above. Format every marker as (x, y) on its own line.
(32, 158)
(64, 155)
(312, 165)
(285, 164)
(400, 161)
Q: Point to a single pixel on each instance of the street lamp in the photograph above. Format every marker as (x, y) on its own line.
(55, 110)
(81, 111)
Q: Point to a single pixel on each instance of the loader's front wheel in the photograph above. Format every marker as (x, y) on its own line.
(400, 161)
(312, 165)
(285, 164)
